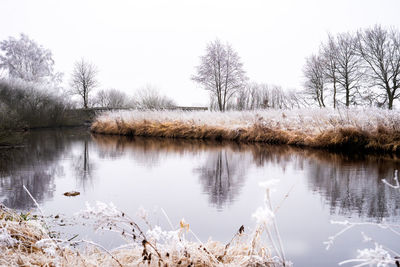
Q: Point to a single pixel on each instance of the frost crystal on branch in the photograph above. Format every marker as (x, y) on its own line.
(373, 257)
(26, 60)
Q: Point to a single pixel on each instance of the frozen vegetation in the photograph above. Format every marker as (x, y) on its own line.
(369, 129)
(28, 241)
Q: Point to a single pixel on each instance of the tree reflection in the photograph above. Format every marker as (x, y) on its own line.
(35, 166)
(40, 184)
(222, 176)
(349, 184)
(354, 185)
(82, 164)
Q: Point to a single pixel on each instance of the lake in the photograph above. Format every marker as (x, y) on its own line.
(212, 185)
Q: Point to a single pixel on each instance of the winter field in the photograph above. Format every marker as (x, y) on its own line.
(367, 129)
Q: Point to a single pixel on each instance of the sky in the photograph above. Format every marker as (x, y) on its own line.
(159, 42)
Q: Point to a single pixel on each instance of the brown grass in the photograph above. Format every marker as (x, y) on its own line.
(349, 138)
(26, 233)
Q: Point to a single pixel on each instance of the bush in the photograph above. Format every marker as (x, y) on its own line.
(29, 105)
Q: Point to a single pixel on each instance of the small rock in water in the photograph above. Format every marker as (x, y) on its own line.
(71, 194)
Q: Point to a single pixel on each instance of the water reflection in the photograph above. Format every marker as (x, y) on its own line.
(349, 185)
(222, 176)
(82, 164)
(353, 184)
(34, 165)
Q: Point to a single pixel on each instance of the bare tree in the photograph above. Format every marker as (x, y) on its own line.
(348, 66)
(329, 54)
(380, 48)
(220, 72)
(315, 79)
(264, 96)
(111, 98)
(84, 80)
(150, 98)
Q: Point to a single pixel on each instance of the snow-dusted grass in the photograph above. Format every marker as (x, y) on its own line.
(355, 128)
(25, 242)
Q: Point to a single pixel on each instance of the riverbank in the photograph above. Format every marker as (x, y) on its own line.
(354, 129)
(25, 240)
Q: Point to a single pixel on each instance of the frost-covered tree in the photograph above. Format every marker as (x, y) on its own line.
(329, 53)
(24, 59)
(84, 80)
(150, 97)
(380, 49)
(315, 79)
(111, 98)
(220, 72)
(348, 66)
(264, 96)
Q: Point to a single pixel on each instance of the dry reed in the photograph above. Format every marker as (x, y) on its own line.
(374, 130)
(25, 242)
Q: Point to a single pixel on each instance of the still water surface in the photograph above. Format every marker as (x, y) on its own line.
(214, 186)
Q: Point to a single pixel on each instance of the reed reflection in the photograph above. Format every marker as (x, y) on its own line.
(348, 184)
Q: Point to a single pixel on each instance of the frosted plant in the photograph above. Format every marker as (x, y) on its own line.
(153, 246)
(380, 255)
(265, 219)
(159, 245)
(310, 120)
(6, 239)
(263, 215)
(377, 256)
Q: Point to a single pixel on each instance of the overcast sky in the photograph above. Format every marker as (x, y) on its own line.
(135, 43)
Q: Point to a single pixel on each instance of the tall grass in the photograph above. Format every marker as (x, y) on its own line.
(24, 241)
(347, 129)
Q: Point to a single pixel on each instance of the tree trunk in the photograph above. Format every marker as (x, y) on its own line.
(390, 103)
(334, 93)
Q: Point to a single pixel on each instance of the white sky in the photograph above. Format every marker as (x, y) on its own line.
(135, 43)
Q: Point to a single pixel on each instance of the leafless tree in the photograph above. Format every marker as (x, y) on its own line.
(111, 98)
(84, 80)
(348, 66)
(313, 72)
(380, 49)
(329, 54)
(220, 72)
(150, 98)
(263, 96)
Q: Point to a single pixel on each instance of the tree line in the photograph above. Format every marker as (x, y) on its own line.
(361, 68)
(221, 73)
(29, 67)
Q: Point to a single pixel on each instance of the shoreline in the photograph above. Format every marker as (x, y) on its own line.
(347, 138)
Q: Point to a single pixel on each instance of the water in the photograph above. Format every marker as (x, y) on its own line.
(214, 186)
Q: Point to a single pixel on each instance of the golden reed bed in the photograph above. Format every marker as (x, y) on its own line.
(347, 130)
